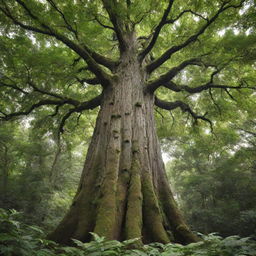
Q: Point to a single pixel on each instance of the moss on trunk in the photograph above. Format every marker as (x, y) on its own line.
(124, 192)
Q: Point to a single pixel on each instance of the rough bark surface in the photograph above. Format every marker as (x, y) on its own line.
(124, 192)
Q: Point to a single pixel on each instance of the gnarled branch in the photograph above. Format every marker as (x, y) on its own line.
(166, 55)
(78, 106)
(157, 31)
(84, 51)
(165, 78)
(64, 119)
(184, 107)
(91, 104)
(109, 5)
(33, 107)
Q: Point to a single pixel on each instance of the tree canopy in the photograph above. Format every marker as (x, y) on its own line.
(57, 49)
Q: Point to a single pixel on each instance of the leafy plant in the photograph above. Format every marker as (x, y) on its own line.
(17, 238)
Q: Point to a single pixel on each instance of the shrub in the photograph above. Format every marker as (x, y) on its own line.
(19, 239)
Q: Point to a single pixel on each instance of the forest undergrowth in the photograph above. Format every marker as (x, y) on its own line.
(20, 239)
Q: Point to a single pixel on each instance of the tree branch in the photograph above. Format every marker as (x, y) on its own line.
(109, 5)
(44, 92)
(33, 107)
(8, 14)
(103, 25)
(214, 102)
(165, 78)
(64, 119)
(56, 111)
(91, 57)
(152, 86)
(171, 21)
(106, 62)
(179, 88)
(184, 107)
(91, 104)
(55, 95)
(78, 107)
(66, 100)
(166, 55)
(68, 26)
(157, 31)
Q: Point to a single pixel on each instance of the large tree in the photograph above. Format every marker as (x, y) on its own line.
(56, 54)
(214, 177)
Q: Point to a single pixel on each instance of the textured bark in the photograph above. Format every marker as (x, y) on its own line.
(124, 192)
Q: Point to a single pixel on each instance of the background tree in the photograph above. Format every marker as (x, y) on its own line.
(36, 170)
(59, 49)
(214, 179)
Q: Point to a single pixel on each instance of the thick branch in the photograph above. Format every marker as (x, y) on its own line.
(87, 54)
(44, 92)
(8, 14)
(110, 6)
(108, 63)
(78, 107)
(153, 85)
(33, 107)
(91, 104)
(166, 55)
(157, 31)
(64, 119)
(184, 107)
(96, 56)
(168, 105)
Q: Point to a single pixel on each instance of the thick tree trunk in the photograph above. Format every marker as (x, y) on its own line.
(124, 192)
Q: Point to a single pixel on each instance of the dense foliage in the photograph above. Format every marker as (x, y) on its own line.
(214, 177)
(17, 238)
(34, 166)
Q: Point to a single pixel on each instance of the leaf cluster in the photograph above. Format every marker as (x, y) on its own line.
(16, 238)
